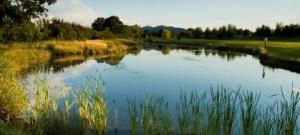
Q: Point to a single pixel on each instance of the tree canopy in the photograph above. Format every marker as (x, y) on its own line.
(18, 11)
(113, 23)
(98, 24)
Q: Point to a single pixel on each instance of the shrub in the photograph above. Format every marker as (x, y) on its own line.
(26, 31)
(13, 99)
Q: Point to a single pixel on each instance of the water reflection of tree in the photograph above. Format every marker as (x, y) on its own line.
(58, 64)
(198, 52)
(165, 50)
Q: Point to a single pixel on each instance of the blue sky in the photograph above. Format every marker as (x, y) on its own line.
(181, 13)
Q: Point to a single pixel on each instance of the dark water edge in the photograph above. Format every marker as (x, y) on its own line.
(272, 62)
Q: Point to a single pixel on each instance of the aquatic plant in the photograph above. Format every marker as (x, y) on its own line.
(249, 112)
(134, 116)
(92, 109)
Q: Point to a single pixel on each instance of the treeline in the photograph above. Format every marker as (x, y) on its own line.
(281, 30)
(223, 32)
(58, 29)
(230, 31)
(45, 29)
(16, 24)
(113, 26)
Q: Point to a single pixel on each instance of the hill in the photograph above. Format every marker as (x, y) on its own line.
(157, 29)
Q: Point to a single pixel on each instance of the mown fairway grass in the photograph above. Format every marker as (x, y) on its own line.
(278, 49)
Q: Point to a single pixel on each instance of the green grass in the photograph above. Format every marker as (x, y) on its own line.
(218, 111)
(278, 49)
(10, 130)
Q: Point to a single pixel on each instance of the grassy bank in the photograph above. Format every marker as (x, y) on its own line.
(26, 56)
(283, 50)
(277, 54)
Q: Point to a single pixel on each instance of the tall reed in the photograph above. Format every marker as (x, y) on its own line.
(286, 114)
(250, 112)
(134, 116)
(92, 109)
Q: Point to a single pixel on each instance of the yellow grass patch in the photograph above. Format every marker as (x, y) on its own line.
(77, 47)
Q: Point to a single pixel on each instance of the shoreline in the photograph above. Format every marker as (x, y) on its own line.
(261, 53)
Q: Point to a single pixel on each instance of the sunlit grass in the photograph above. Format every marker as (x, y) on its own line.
(13, 99)
(92, 109)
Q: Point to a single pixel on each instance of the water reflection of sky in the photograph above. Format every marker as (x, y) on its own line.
(152, 72)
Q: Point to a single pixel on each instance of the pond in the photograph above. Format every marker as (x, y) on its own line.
(167, 71)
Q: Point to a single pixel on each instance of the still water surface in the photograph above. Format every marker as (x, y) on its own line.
(169, 71)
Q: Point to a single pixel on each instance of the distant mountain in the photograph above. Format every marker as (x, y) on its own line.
(158, 29)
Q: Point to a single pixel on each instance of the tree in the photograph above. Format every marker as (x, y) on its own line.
(279, 29)
(166, 34)
(207, 33)
(222, 32)
(19, 11)
(98, 24)
(114, 24)
(214, 33)
(136, 30)
(264, 31)
(189, 33)
(198, 32)
(246, 33)
(231, 31)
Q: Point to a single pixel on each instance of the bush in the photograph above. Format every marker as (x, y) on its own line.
(26, 31)
(13, 99)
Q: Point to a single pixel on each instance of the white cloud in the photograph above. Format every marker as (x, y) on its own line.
(73, 11)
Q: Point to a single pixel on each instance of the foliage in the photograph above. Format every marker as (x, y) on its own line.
(112, 23)
(13, 99)
(98, 24)
(58, 29)
(166, 34)
(19, 11)
(26, 31)
(263, 31)
(92, 109)
(112, 27)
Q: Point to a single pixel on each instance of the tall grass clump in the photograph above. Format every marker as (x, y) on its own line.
(93, 110)
(249, 113)
(13, 99)
(134, 116)
(220, 112)
(48, 115)
(86, 114)
(41, 107)
(229, 111)
(190, 112)
(286, 114)
(155, 117)
(184, 113)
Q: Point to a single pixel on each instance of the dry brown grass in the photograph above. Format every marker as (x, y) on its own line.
(22, 59)
(76, 47)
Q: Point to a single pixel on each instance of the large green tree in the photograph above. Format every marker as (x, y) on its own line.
(114, 24)
(98, 24)
(18, 11)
